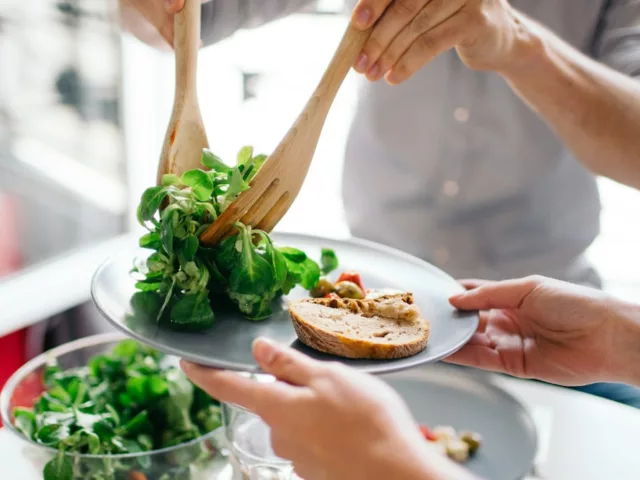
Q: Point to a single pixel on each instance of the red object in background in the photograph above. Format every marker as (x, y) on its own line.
(12, 346)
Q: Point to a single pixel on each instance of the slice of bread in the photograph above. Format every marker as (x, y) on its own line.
(384, 327)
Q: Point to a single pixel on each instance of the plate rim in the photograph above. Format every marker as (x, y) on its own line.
(484, 379)
(377, 369)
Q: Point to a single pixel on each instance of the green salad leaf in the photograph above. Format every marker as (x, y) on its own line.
(127, 400)
(186, 278)
(328, 261)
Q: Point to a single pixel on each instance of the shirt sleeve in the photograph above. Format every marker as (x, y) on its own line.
(222, 18)
(618, 42)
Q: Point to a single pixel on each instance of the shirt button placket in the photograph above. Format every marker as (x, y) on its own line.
(461, 115)
(456, 147)
(453, 160)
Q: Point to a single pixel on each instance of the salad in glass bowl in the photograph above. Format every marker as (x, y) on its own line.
(103, 408)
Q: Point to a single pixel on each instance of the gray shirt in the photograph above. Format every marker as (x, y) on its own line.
(453, 167)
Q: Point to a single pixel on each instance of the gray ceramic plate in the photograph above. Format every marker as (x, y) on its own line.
(446, 395)
(228, 343)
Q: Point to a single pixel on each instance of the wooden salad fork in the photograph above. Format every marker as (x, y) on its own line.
(186, 136)
(277, 183)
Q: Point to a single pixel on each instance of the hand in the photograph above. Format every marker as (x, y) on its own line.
(151, 21)
(410, 33)
(549, 330)
(330, 421)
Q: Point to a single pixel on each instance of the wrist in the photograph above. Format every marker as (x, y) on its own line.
(529, 46)
(625, 364)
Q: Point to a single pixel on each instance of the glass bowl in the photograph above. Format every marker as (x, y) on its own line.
(194, 460)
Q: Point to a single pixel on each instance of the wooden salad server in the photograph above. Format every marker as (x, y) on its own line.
(186, 136)
(278, 182)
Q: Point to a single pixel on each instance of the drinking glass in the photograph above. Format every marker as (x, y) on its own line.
(249, 443)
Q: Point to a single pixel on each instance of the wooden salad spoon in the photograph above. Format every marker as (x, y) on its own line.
(278, 182)
(186, 136)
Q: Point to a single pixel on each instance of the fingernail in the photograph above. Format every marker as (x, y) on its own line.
(169, 3)
(363, 17)
(264, 351)
(374, 71)
(392, 78)
(456, 296)
(361, 63)
(186, 366)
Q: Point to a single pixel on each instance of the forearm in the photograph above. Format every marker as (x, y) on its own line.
(422, 463)
(594, 109)
(221, 18)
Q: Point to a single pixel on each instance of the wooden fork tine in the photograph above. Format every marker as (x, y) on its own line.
(275, 214)
(234, 212)
(259, 209)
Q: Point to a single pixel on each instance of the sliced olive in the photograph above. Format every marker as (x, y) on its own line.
(322, 288)
(347, 289)
(472, 439)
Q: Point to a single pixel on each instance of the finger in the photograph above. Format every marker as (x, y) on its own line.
(483, 321)
(433, 14)
(395, 18)
(173, 6)
(231, 387)
(222, 385)
(471, 283)
(425, 48)
(478, 356)
(506, 294)
(367, 12)
(158, 17)
(285, 363)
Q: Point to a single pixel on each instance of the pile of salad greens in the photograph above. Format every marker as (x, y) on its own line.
(186, 277)
(127, 401)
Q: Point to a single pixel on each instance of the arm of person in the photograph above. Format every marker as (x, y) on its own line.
(151, 21)
(629, 355)
(310, 404)
(222, 18)
(541, 328)
(594, 107)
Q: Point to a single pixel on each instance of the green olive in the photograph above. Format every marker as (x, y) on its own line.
(322, 288)
(348, 289)
(472, 439)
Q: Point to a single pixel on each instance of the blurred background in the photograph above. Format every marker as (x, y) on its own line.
(83, 113)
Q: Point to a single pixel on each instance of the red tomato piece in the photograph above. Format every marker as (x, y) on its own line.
(427, 433)
(332, 295)
(351, 277)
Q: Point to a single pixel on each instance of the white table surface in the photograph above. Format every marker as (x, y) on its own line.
(582, 437)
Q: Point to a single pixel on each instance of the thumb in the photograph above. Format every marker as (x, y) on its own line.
(505, 294)
(173, 6)
(284, 363)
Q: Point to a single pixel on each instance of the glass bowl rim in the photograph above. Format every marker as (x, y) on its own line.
(41, 360)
